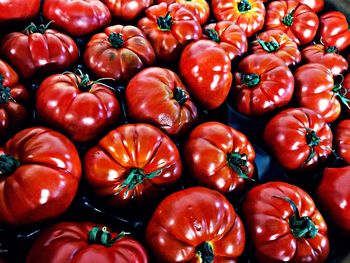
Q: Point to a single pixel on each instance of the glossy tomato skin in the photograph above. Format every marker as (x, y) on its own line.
(157, 96)
(248, 14)
(192, 217)
(46, 181)
(286, 135)
(82, 112)
(297, 20)
(119, 53)
(267, 218)
(214, 152)
(342, 140)
(206, 70)
(346, 85)
(272, 89)
(170, 28)
(141, 147)
(18, 10)
(68, 242)
(316, 5)
(77, 17)
(127, 10)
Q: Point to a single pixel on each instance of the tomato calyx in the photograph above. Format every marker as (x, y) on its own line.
(312, 140)
(116, 40)
(251, 80)
(180, 95)
(340, 92)
(288, 19)
(8, 164)
(32, 28)
(239, 163)
(205, 252)
(165, 22)
(244, 6)
(212, 34)
(5, 92)
(270, 46)
(102, 237)
(332, 49)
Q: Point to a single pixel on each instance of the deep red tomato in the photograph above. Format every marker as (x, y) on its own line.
(127, 10)
(39, 175)
(77, 17)
(342, 140)
(39, 50)
(18, 10)
(327, 56)
(14, 100)
(297, 20)
(248, 14)
(278, 43)
(158, 97)
(285, 225)
(229, 36)
(81, 108)
(299, 138)
(334, 30)
(170, 28)
(82, 242)
(132, 162)
(315, 5)
(262, 83)
(119, 52)
(206, 70)
(195, 225)
(333, 192)
(219, 157)
(346, 85)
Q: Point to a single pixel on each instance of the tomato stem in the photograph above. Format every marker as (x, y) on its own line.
(340, 92)
(206, 253)
(116, 40)
(8, 164)
(271, 46)
(312, 140)
(101, 236)
(5, 92)
(332, 49)
(165, 22)
(288, 19)
(212, 34)
(180, 95)
(239, 163)
(244, 6)
(32, 28)
(250, 80)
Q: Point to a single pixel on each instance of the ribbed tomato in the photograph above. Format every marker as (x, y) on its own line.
(14, 11)
(127, 10)
(342, 140)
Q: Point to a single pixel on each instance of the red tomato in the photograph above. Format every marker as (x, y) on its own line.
(333, 192)
(278, 43)
(299, 138)
(77, 17)
(315, 5)
(158, 97)
(195, 225)
(342, 140)
(206, 70)
(39, 175)
(346, 85)
(14, 100)
(82, 242)
(39, 50)
(327, 56)
(18, 10)
(285, 225)
(334, 30)
(119, 52)
(229, 36)
(170, 28)
(127, 10)
(132, 162)
(297, 20)
(248, 14)
(219, 157)
(81, 108)
(262, 84)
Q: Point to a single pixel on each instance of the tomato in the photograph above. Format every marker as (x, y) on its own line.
(127, 10)
(158, 97)
(346, 85)
(315, 89)
(82, 242)
(333, 192)
(315, 5)
(284, 224)
(77, 17)
(206, 69)
(81, 108)
(119, 52)
(229, 36)
(132, 162)
(342, 140)
(39, 50)
(195, 225)
(170, 28)
(299, 138)
(18, 10)
(278, 43)
(248, 14)
(39, 175)
(334, 30)
(297, 20)
(327, 56)
(14, 100)
(262, 83)
(219, 157)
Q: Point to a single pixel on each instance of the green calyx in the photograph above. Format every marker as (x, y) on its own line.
(212, 34)
(165, 22)
(101, 236)
(32, 28)
(239, 163)
(340, 92)
(180, 95)
(244, 6)
(116, 40)
(270, 47)
(312, 140)
(251, 80)
(288, 19)
(8, 164)
(5, 92)
(332, 49)
(205, 252)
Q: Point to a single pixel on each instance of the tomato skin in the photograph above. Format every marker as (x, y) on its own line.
(119, 62)
(179, 225)
(18, 10)
(286, 137)
(133, 146)
(127, 10)
(342, 140)
(151, 98)
(168, 42)
(45, 183)
(77, 17)
(206, 71)
(316, 5)
(346, 85)
(274, 77)
(68, 242)
(303, 25)
(267, 219)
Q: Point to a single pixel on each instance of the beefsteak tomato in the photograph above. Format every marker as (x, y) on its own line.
(342, 140)
(127, 10)
(18, 10)
(316, 5)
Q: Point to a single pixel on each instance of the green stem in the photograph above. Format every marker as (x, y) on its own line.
(165, 22)
(250, 80)
(239, 163)
(244, 6)
(5, 92)
(270, 47)
(341, 93)
(206, 253)
(288, 19)
(32, 28)
(102, 237)
(8, 164)
(332, 49)
(312, 140)
(180, 95)
(116, 40)
(212, 34)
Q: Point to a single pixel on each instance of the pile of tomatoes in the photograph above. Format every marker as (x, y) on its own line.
(174, 131)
